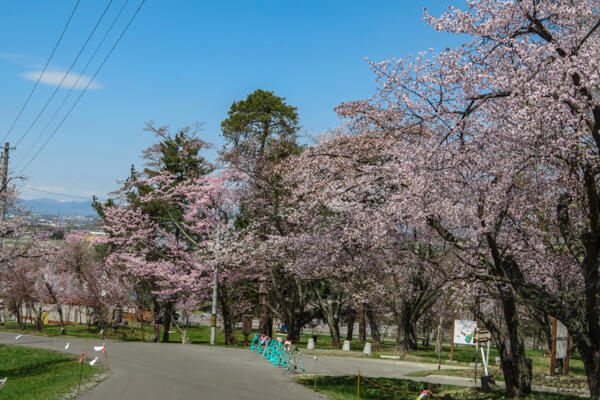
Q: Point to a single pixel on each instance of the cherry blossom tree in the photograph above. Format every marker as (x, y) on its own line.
(497, 147)
(144, 225)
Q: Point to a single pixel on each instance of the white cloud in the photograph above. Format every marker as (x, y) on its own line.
(11, 56)
(54, 78)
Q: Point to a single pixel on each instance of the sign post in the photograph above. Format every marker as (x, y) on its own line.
(553, 349)
(566, 361)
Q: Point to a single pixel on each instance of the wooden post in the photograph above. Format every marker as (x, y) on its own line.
(452, 343)
(553, 348)
(566, 360)
(358, 386)
(106, 356)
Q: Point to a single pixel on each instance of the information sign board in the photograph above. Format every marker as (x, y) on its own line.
(464, 332)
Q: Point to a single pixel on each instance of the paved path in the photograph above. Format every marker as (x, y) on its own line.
(148, 371)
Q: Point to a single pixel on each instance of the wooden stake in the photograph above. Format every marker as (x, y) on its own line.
(106, 357)
(553, 348)
(80, 374)
(452, 343)
(358, 386)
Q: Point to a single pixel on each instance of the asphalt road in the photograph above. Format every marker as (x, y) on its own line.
(148, 371)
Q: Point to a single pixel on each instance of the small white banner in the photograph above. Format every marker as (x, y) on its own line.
(93, 361)
(18, 337)
(98, 348)
(67, 346)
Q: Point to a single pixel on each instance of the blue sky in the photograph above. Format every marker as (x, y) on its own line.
(185, 62)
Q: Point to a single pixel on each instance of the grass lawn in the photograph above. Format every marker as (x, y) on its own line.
(197, 334)
(40, 374)
(132, 333)
(345, 388)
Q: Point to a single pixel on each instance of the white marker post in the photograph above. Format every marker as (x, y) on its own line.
(485, 368)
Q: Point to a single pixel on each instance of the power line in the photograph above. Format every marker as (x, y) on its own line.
(87, 86)
(72, 86)
(42, 73)
(55, 193)
(39, 114)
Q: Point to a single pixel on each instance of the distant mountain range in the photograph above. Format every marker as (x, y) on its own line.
(62, 208)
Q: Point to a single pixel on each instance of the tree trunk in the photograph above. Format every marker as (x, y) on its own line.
(18, 315)
(516, 368)
(591, 362)
(265, 324)
(63, 330)
(155, 323)
(350, 326)
(246, 327)
(39, 315)
(28, 314)
(227, 316)
(375, 335)
(362, 327)
(330, 309)
(520, 367)
(405, 334)
(167, 321)
(426, 332)
(334, 331)
(118, 319)
(294, 326)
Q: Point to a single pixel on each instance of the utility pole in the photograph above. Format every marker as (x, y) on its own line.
(213, 317)
(4, 187)
(7, 149)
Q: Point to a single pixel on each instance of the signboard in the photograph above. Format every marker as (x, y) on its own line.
(464, 332)
(561, 340)
(560, 347)
(484, 336)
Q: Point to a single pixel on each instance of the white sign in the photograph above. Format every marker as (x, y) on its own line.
(464, 332)
(561, 340)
